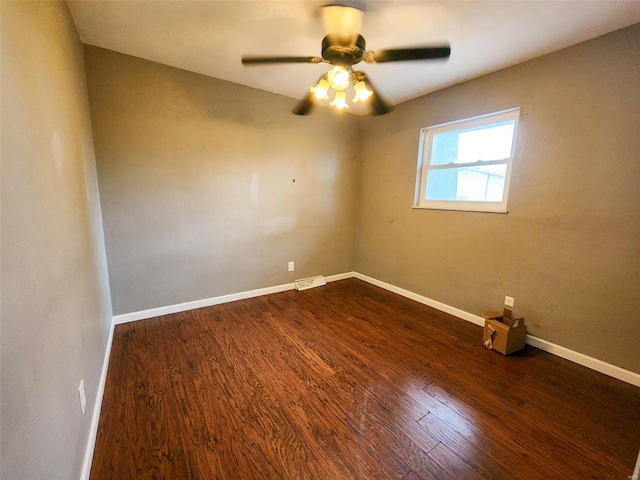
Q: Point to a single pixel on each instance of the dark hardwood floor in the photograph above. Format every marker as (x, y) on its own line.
(350, 381)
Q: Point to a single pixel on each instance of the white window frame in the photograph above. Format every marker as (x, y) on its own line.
(424, 163)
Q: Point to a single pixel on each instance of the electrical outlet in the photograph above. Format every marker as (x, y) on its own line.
(83, 398)
(291, 266)
(509, 301)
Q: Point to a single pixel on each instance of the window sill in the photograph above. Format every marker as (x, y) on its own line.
(464, 208)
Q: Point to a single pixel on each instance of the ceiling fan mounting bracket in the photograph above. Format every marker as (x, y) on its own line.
(341, 50)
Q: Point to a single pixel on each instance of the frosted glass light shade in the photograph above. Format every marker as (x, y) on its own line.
(321, 90)
(362, 92)
(340, 101)
(338, 78)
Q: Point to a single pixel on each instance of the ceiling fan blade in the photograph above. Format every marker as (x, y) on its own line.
(378, 105)
(404, 54)
(305, 105)
(249, 60)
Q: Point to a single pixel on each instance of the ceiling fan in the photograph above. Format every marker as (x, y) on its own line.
(343, 47)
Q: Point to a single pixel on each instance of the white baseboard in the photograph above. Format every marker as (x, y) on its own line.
(95, 418)
(340, 276)
(571, 355)
(585, 360)
(576, 357)
(443, 307)
(207, 302)
(579, 358)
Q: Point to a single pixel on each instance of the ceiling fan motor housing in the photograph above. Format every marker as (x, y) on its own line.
(343, 49)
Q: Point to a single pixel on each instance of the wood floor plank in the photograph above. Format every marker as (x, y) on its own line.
(456, 466)
(350, 381)
(291, 381)
(123, 448)
(513, 429)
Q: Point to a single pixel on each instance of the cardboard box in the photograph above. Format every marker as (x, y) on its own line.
(503, 333)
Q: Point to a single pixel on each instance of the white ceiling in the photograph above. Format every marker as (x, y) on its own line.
(209, 37)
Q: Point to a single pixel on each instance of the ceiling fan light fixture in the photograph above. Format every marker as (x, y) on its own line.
(362, 92)
(321, 91)
(340, 100)
(343, 47)
(338, 78)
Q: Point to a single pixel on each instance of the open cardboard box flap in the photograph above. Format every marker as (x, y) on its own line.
(504, 333)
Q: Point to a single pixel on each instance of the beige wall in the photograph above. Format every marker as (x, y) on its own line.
(55, 306)
(197, 184)
(196, 177)
(569, 248)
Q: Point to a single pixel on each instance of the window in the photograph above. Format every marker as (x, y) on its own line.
(466, 165)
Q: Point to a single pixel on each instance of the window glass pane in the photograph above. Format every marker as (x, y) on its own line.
(471, 184)
(487, 142)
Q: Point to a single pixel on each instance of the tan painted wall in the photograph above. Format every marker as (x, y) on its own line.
(569, 248)
(197, 184)
(55, 306)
